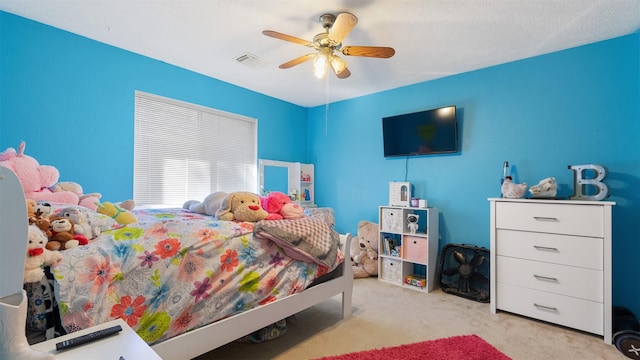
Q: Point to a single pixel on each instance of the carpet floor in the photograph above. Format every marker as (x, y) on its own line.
(386, 315)
(466, 347)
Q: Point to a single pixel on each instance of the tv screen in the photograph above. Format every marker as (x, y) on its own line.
(421, 133)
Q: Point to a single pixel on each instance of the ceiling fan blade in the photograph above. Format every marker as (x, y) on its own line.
(285, 37)
(344, 74)
(296, 61)
(345, 22)
(369, 51)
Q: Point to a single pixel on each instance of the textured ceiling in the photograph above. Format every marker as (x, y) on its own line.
(432, 39)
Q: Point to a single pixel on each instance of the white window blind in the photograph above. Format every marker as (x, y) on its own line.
(184, 151)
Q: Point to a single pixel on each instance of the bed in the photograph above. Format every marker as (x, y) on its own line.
(188, 283)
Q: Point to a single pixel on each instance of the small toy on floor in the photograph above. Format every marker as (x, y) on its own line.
(364, 250)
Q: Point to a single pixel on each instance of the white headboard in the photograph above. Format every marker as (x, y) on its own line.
(13, 233)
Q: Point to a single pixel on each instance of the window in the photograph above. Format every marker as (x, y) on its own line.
(184, 151)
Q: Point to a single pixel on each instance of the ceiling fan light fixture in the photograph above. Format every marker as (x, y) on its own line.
(319, 66)
(337, 64)
(328, 42)
(321, 62)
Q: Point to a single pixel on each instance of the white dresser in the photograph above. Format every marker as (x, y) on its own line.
(551, 260)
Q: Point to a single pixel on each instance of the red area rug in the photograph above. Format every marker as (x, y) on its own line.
(467, 347)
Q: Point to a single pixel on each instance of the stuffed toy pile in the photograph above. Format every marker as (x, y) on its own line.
(364, 250)
(39, 181)
(239, 206)
(40, 184)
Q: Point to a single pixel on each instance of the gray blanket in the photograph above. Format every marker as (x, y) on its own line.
(305, 239)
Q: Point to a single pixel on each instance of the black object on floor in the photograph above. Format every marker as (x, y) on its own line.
(464, 271)
(626, 332)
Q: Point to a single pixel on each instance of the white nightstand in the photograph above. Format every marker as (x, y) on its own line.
(126, 344)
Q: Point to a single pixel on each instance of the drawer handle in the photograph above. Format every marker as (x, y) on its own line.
(545, 248)
(546, 278)
(542, 218)
(548, 308)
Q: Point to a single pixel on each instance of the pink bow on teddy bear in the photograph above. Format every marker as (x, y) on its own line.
(279, 206)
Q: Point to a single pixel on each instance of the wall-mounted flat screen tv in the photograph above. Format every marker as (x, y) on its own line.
(421, 133)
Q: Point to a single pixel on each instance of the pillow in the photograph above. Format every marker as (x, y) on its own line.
(323, 214)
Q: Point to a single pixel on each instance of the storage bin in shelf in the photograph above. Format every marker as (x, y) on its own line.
(391, 270)
(408, 249)
(416, 249)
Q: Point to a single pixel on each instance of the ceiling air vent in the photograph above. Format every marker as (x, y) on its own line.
(250, 60)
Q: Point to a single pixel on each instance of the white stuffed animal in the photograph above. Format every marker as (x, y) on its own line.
(38, 256)
(546, 188)
(511, 190)
(364, 250)
(81, 222)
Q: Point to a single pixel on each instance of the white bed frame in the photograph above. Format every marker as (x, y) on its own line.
(212, 336)
(192, 343)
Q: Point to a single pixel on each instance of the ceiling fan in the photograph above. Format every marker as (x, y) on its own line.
(327, 43)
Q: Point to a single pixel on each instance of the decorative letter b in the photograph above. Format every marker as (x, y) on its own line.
(580, 182)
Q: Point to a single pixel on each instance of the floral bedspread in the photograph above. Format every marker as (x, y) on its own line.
(174, 271)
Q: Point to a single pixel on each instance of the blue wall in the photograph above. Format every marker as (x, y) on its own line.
(71, 100)
(574, 107)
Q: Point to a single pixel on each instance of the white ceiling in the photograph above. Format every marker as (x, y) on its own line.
(432, 38)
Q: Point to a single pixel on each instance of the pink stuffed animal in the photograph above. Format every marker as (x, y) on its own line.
(37, 179)
(279, 206)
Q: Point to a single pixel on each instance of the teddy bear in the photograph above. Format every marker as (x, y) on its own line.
(239, 205)
(37, 179)
(279, 206)
(546, 188)
(81, 222)
(90, 201)
(31, 208)
(37, 256)
(43, 210)
(63, 235)
(364, 250)
(41, 223)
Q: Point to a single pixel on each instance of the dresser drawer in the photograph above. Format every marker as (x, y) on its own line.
(415, 249)
(579, 251)
(562, 310)
(558, 279)
(584, 220)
